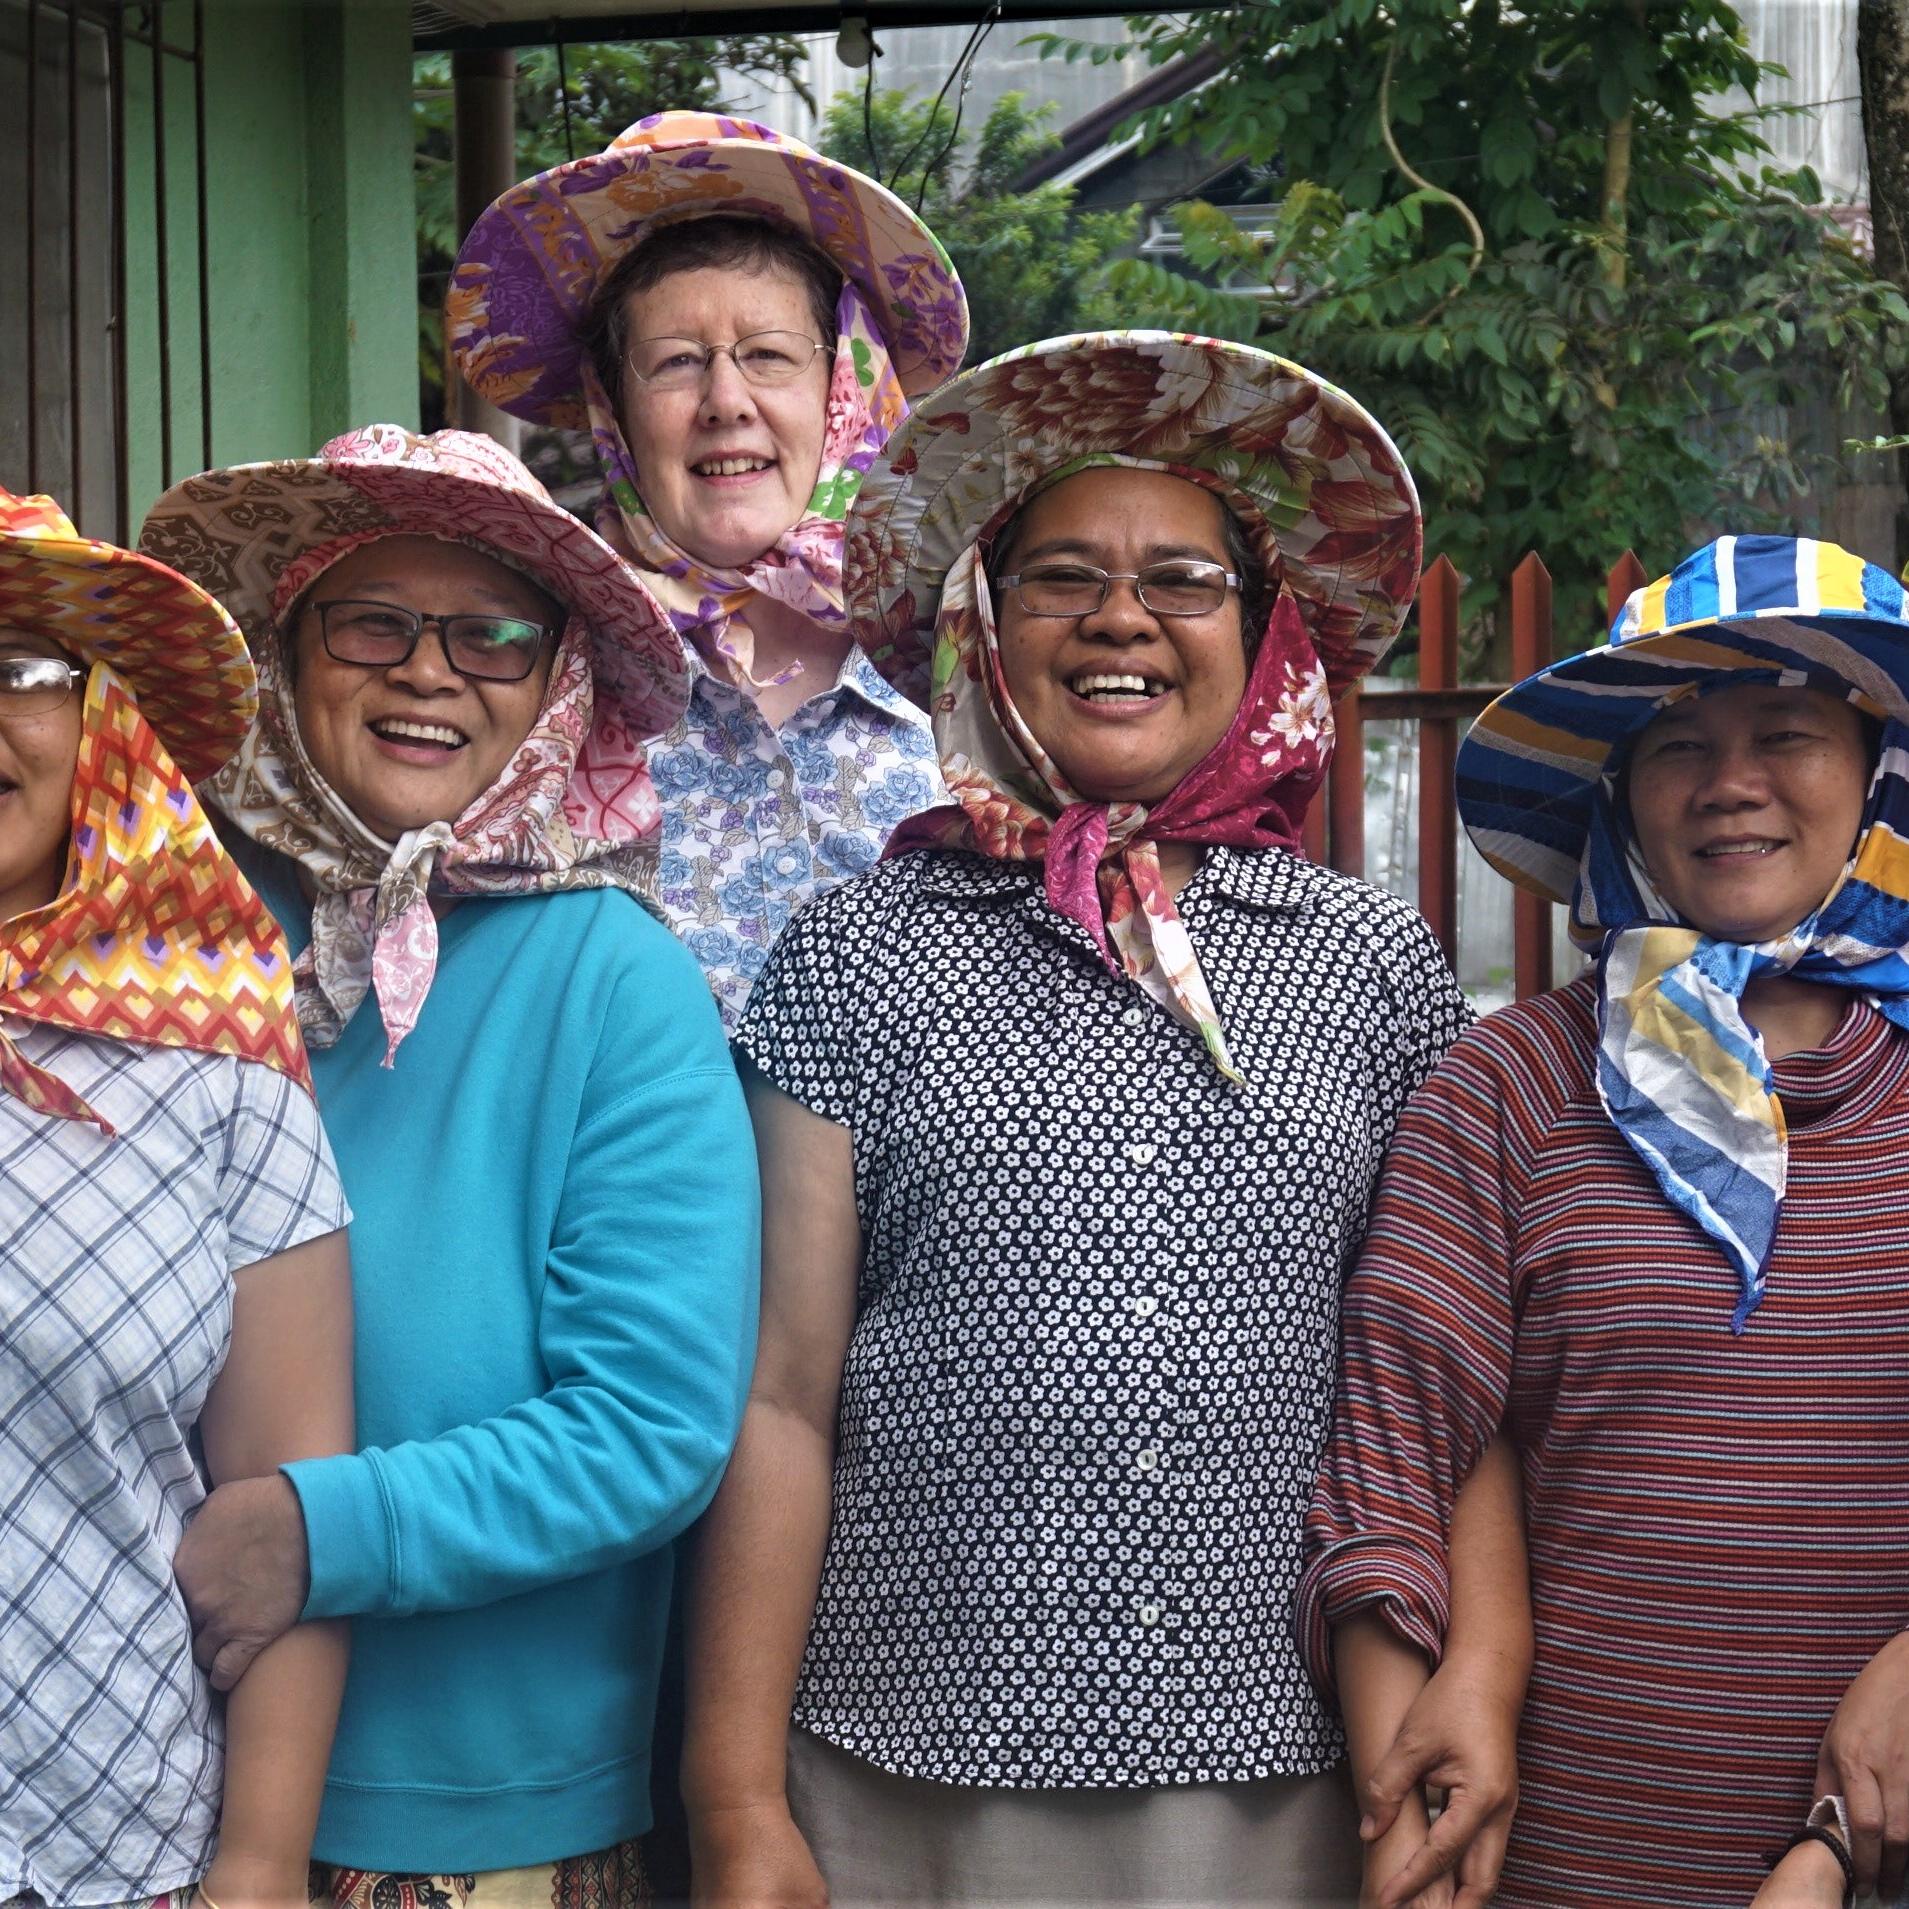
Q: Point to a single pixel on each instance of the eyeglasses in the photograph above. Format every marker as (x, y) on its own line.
(681, 364)
(1078, 589)
(498, 649)
(35, 685)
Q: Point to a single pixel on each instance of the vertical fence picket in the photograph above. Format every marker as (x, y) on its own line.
(1438, 747)
(1624, 576)
(1345, 785)
(1530, 652)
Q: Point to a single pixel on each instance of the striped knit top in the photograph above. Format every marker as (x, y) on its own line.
(1718, 1525)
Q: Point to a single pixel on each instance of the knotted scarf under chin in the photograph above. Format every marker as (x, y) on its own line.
(1101, 860)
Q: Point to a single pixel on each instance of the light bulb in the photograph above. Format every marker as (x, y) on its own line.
(853, 44)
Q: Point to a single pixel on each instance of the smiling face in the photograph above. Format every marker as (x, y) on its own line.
(725, 466)
(38, 753)
(415, 742)
(1126, 701)
(1746, 804)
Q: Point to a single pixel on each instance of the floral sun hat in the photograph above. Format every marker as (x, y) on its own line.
(1326, 503)
(155, 937)
(531, 265)
(573, 808)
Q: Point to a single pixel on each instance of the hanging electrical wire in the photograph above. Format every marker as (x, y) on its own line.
(961, 100)
(962, 70)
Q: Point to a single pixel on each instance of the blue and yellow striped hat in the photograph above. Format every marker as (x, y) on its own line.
(1778, 609)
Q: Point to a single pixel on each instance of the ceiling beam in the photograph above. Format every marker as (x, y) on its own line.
(803, 16)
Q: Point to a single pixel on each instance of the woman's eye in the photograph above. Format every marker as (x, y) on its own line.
(1064, 573)
(376, 622)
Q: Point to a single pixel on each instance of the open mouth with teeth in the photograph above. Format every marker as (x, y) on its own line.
(1738, 851)
(426, 739)
(732, 466)
(1116, 689)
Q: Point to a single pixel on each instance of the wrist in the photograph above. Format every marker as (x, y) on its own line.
(247, 1876)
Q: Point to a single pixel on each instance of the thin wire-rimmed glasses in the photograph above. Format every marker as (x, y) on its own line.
(499, 649)
(681, 364)
(36, 685)
(1079, 589)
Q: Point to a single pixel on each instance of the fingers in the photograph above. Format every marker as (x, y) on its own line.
(1863, 1796)
(207, 1641)
(1478, 1868)
(1895, 1844)
(1394, 1777)
(1445, 1843)
(230, 1663)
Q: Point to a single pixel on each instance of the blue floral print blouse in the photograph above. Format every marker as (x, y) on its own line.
(757, 820)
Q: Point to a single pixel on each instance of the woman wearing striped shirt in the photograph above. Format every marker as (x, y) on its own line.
(1655, 1224)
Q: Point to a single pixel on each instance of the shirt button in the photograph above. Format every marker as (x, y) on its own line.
(1145, 1305)
(1142, 1153)
(1149, 1614)
(1149, 1460)
(1135, 1016)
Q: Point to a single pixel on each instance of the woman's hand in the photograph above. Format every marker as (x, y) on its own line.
(752, 1856)
(1388, 1854)
(243, 1570)
(236, 1884)
(1865, 1761)
(1809, 1877)
(1461, 1736)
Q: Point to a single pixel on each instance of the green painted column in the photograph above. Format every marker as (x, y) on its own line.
(311, 228)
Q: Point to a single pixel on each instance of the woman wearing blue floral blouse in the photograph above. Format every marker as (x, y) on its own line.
(739, 322)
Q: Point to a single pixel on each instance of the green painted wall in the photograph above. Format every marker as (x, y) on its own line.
(309, 208)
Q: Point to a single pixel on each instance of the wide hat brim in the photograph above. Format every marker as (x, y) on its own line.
(1529, 769)
(238, 529)
(1322, 491)
(530, 266)
(178, 650)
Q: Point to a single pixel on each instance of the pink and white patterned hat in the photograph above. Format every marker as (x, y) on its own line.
(1322, 491)
(239, 531)
(531, 265)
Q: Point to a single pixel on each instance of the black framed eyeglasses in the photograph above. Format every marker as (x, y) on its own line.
(36, 685)
(497, 649)
(1078, 589)
(681, 364)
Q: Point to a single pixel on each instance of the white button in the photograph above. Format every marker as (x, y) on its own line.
(1150, 1614)
(1145, 1305)
(1149, 1460)
(1142, 1152)
(1134, 1017)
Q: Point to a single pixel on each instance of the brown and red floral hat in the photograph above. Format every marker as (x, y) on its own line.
(1325, 497)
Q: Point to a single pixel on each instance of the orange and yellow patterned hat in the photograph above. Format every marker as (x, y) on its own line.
(176, 648)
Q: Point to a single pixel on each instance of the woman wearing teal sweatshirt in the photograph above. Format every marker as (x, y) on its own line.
(540, 1131)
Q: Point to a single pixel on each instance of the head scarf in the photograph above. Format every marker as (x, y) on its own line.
(155, 936)
(1681, 1072)
(1101, 862)
(538, 829)
(803, 568)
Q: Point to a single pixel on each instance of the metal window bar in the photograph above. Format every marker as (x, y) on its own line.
(99, 90)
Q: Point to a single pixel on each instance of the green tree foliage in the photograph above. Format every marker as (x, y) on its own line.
(607, 87)
(1033, 266)
(1535, 240)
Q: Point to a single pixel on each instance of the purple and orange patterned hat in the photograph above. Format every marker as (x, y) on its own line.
(532, 263)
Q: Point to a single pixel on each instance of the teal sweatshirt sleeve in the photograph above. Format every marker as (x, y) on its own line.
(647, 1332)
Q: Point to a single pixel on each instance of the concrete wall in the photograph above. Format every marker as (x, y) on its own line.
(312, 261)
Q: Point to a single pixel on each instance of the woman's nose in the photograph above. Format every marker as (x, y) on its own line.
(428, 667)
(727, 393)
(1121, 616)
(1735, 777)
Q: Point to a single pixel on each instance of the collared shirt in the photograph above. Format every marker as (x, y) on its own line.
(757, 820)
(1093, 1356)
(116, 1281)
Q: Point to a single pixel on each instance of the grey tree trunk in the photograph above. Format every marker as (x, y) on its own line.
(1882, 58)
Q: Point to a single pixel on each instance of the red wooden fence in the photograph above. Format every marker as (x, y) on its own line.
(1440, 704)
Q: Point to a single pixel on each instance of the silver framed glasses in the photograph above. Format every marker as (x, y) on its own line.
(1179, 588)
(681, 364)
(36, 685)
(497, 649)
